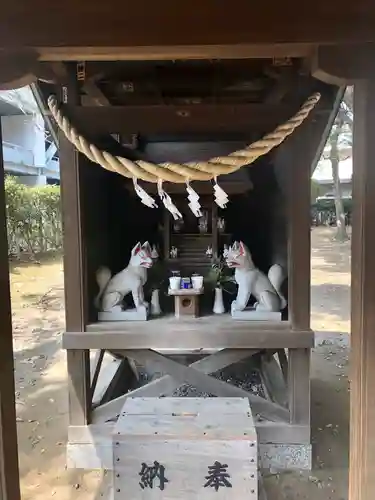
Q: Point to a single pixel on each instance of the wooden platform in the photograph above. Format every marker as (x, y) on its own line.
(210, 332)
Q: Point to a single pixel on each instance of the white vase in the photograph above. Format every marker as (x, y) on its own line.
(219, 303)
(155, 303)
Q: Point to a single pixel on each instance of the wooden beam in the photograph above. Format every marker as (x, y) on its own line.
(167, 119)
(21, 67)
(9, 473)
(60, 72)
(343, 64)
(17, 69)
(204, 333)
(326, 129)
(362, 417)
(95, 23)
(285, 82)
(49, 121)
(95, 94)
(184, 52)
(74, 276)
(281, 433)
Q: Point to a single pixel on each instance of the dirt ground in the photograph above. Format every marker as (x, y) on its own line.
(41, 397)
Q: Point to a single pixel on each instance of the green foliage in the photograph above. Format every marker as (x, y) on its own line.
(33, 218)
(329, 205)
(220, 276)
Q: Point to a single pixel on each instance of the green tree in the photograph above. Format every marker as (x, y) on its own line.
(340, 136)
(33, 217)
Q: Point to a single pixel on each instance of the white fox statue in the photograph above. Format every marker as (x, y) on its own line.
(251, 281)
(113, 289)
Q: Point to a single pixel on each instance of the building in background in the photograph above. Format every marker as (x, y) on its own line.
(323, 174)
(29, 147)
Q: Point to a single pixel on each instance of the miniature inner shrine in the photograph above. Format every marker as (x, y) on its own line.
(186, 233)
(191, 249)
(188, 263)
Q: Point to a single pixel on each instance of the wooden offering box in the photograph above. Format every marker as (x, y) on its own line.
(185, 448)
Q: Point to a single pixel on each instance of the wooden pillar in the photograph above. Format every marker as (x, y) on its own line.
(299, 233)
(294, 159)
(299, 255)
(362, 428)
(9, 473)
(78, 360)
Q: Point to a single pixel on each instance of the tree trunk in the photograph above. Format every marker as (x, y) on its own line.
(341, 234)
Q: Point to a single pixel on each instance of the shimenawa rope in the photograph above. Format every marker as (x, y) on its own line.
(190, 171)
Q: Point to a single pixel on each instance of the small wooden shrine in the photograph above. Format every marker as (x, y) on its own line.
(239, 141)
(155, 104)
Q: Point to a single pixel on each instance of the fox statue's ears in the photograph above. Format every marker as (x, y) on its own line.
(238, 247)
(146, 246)
(137, 248)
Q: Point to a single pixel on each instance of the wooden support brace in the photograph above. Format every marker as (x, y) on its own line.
(95, 367)
(283, 360)
(208, 384)
(95, 94)
(166, 384)
(273, 380)
(115, 378)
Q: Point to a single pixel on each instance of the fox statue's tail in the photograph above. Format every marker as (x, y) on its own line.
(277, 275)
(103, 275)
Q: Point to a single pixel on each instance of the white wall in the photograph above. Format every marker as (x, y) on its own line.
(26, 131)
